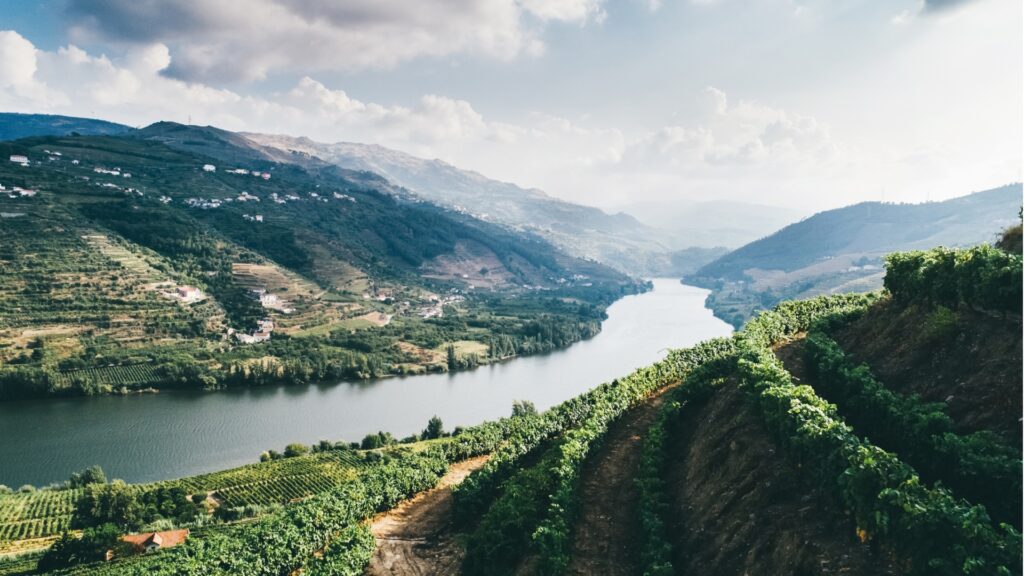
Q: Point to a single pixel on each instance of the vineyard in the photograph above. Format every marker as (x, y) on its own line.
(48, 512)
(36, 514)
(130, 376)
(908, 491)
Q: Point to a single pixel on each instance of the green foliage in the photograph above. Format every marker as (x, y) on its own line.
(982, 277)
(434, 429)
(347, 555)
(378, 440)
(295, 449)
(92, 546)
(523, 408)
(537, 506)
(286, 540)
(936, 532)
(91, 475)
(115, 503)
(977, 466)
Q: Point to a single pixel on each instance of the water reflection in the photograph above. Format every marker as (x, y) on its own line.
(178, 433)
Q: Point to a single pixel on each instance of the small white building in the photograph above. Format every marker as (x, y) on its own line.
(189, 293)
(209, 168)
(265, 175)
(19, 159)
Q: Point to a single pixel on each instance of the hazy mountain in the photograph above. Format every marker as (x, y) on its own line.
(13, 126)
(615, 239)
(841, 250)
(714, 223)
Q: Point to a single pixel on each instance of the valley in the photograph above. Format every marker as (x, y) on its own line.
(130, 266)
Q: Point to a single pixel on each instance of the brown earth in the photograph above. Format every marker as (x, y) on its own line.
(739, 508)
(416, 537)
(969, 360)
(606, 540)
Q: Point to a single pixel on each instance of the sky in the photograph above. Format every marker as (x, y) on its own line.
(807, 104)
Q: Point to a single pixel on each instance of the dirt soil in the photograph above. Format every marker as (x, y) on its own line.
(972, 362)
(741, 509)
(416, 537)
(606, 538)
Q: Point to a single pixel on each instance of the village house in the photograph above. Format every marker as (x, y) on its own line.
(152, 541)
(189, 293)
(19, 159)
(209, 168)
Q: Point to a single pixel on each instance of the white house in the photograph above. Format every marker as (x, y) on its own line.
(209, 168)
(19, 159)
(189, 293)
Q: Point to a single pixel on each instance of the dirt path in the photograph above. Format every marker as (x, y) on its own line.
(606, 534)
(415, 537)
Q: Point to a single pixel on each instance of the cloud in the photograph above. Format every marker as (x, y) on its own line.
(17, 59)
(939, 5)
(228, 40)
(741, 135)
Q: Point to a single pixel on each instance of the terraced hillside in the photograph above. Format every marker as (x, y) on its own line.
(770, 452)
(129, 264)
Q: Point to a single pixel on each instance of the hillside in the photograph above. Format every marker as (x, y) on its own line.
(841, 250)
(615, 239)
(770, 452)
(14, 126)
(129, 265)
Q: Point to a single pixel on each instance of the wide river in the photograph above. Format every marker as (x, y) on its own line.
(172, 434)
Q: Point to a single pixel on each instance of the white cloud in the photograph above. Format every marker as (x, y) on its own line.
(731, 148)
(249, 39)
(17, 60)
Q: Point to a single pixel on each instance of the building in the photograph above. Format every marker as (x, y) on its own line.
(153, 541)
(265, 175)
(189, 293)
(209, 168)
(19, 159)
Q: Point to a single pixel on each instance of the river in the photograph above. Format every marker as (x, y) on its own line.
(177, 433)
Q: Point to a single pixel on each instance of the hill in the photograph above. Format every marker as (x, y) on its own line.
(841, 250)
(130, 264)
(14, 126)
(775, 451)
(615, 239)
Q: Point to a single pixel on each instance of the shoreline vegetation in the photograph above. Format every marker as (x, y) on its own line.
(288, 361)
(276, 516)
(131, 264)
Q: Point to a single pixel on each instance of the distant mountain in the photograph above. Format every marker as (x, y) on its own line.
(618, 240)
(714, 223)
(14, 126)
(841, 250)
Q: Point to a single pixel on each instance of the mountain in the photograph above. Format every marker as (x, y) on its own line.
(618, 240)
(714, 223)
(134, 250)
(841, 250)
(14, 126)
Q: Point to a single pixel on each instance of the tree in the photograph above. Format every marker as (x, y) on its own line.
(523, 408)
(453, 360)
(295, 449)
(91, 547)
(378, 440)
(434, 429)
(91, 475)
(114, 503)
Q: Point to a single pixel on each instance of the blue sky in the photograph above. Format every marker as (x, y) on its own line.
(809, 104)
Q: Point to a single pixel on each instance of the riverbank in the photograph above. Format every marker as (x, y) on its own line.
(178, 433)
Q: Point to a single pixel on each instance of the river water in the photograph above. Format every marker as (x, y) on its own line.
(175, 433)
